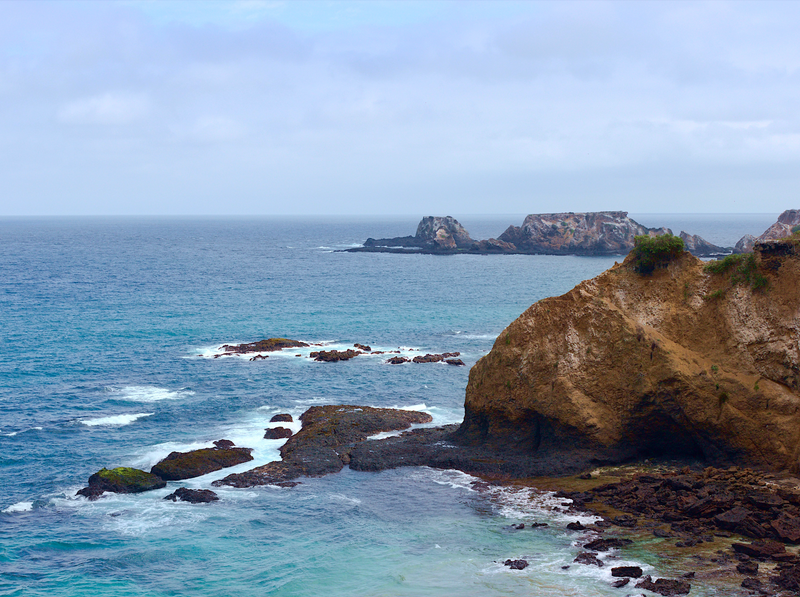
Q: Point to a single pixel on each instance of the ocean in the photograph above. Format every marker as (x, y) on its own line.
(108, 331)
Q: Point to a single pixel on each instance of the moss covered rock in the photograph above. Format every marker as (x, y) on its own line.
(184, 465)
(122, 479)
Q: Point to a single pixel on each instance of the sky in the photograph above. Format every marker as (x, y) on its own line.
(152, 107)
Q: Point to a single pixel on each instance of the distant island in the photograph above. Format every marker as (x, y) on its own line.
(590, 233)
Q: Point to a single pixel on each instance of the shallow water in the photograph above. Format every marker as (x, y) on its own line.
(108, 333)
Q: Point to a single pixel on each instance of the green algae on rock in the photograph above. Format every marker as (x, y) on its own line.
(122, 479)
(185, 465)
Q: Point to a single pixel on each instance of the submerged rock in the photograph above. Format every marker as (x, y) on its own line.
(185, 465)
(121, 480)
(516, 564)
(193, 496)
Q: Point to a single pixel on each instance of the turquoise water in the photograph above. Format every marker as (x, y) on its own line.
(108, 331)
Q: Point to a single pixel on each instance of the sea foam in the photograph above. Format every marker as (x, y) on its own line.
(18, 507)
(148, 393)
(114, 420)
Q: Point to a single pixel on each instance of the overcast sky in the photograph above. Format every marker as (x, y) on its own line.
(155, 107)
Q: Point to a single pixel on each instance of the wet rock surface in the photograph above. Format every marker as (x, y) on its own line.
(664, 586)
(277, 433)
(268, 345)
(333, 356)
(281, 418)
(324, 443)
(698, 504)
(185, 465)
(121, 480)
(193, 496)
(516, 564)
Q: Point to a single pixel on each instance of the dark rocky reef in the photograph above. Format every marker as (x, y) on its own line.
(281, 418)
(185, 465)
(121, 480)
(324, 442)
(268, 345)
(193, 496)
(590, 233)
(333, 356)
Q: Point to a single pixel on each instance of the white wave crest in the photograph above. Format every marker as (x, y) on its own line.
(18, 507)
(148, 393)
(114, 420)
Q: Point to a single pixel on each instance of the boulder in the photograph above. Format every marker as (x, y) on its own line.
(281, 418)
(185, 465)
(629, 366)
(589, 558)
(516, 564)
(397, 360)
(193, 496)
(629, 571)
(121, 480)
(664, 586)
(277, 433)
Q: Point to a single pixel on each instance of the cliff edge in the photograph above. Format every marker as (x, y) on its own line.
(692, 360)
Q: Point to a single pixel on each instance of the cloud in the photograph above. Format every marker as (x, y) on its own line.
(106, 109)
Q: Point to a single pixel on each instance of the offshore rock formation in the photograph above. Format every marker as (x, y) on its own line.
(433, 234)
(591, 233)
(122, 479)
(787, 222)
(680, 363)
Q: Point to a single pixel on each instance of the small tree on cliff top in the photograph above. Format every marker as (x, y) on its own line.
(650, 252)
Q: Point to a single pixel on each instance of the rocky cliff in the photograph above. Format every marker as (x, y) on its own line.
(683, 362)
(787, 222)
(591, 233)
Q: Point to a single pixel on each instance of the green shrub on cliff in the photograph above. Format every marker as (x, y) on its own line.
(743, 267)
(650, 252)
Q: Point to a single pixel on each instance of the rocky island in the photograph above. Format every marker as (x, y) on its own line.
(590, 233)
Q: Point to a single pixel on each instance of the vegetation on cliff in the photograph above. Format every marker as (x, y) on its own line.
(650, 252)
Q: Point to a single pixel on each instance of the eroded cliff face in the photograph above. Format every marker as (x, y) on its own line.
(678, 363)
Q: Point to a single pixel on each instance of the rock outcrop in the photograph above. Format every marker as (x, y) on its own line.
(268, 345)
(122, 479)
(323, 444)
(591, 233)
(683, 362)
(193, 496)
(699, 247)
(433, 233)
(185, 465)
(787, 223)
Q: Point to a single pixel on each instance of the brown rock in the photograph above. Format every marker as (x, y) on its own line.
(277, 433)
(626, 365)
(664, 586)
(631, 571)
(184, 465)
(332, 356)
(589, 558)
(269, 345)
(281, 418)
(193, 496)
